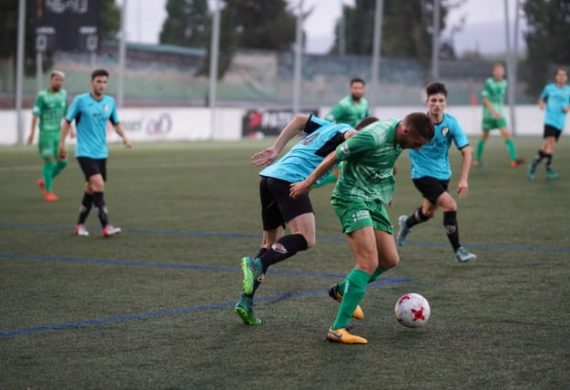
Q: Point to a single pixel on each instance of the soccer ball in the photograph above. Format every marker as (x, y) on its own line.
(412, 310)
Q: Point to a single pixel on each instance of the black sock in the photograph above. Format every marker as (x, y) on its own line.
(261, 251)
(451, 229)
(85, 208)
(417, 217)
(284, 248)
(99, 203)
(539, 157)
(549, 158)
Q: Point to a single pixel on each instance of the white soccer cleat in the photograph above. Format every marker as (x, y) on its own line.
(81, 230)
(110, 230)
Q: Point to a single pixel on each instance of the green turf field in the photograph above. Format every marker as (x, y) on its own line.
(153, 307)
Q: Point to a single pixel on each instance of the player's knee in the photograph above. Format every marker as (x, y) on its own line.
(390, 261)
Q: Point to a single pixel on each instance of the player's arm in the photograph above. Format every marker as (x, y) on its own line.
(36, 112)
(463, 185)
(298, 189)
(292, 129)
(543, 98)
(335, 113)
(487, 103)
(63, 136)
(121, 132)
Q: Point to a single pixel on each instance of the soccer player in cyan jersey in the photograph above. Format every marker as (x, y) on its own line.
(494, 117)
(278, 208)
(91, 111)
(50, 107)
(353, 108)
(555, 98)
(363, 191)
(431, 172)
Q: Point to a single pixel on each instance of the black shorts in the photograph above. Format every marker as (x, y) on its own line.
(277, 207)
(431, 188)
(93, 166)
(551, 131)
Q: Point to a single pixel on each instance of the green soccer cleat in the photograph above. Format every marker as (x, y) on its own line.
(252, 272)
(552, 174)
(244, 309)
(531, 171)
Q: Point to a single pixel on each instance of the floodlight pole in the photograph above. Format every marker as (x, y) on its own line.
(298, 59)
(122, 56)
(435, 41)
(511, 78)
(376, 49)
(20, 69)
(214, 51)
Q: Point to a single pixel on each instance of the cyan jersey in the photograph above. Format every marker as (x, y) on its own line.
(432, 159)
(322, 138)
(556, 98)
(91, 118)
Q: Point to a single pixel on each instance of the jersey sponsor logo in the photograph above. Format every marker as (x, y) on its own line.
(105, 107)
(360, 215)
(445, 131)
(310, 138)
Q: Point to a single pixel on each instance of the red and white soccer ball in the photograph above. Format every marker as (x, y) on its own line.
(412, 310)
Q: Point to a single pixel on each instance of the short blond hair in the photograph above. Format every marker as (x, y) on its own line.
(57, 73)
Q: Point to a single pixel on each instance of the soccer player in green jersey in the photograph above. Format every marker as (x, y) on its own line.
(363, 191)
(49, 108)
(494, 116)
(351, 109)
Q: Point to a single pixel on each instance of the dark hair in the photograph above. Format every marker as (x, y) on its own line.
(560, 69)
(99, 72)
(420, 125)
(435, 88)
(357, 80)
(365, 122)
(496, 64)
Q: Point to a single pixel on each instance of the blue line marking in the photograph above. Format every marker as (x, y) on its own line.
(171, 312)
(333, 239)
(155, 264)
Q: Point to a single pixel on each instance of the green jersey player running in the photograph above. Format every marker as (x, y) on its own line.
(49, 108)
(494, 117)
(363, 191)
(353, 108)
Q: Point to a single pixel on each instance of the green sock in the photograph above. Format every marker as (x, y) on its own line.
(351, 297)
(480, 150)
(47, 173)
(511, 149)
(376, 275)
(60, 166)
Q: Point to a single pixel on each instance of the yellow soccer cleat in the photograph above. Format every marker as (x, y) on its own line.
(337, 296)
(343, 336)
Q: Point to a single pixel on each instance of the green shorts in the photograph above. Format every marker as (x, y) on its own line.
(492, 123)
(48, 144)
(354, 215)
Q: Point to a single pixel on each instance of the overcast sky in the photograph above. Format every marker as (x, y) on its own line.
(484, 27)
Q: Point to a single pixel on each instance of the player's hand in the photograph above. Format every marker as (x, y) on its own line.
(72, 133)
(265, 157)
(127, 143)
(62, 153)
(350, 134)
(463, 189)
(298, 189)
(30, 138)
(496, 115)
(541, 105)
